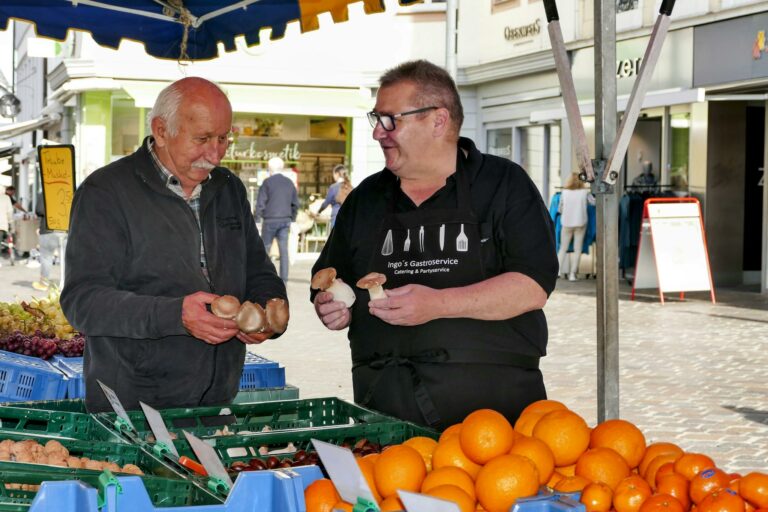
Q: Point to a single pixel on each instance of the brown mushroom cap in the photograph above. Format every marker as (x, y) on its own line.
(323, 278)
(225, 306)
(277, 315)
(251, 318)
(370, 280)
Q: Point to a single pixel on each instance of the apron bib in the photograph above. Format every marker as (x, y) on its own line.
(437, 372)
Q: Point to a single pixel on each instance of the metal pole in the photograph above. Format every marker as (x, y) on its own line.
(607, 214)
(451, 16)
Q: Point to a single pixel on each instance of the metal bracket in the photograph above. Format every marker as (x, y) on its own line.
(600, 185)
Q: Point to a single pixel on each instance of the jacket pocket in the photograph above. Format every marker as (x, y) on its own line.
(233, 223)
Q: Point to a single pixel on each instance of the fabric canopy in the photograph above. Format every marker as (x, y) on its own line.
(176, 29)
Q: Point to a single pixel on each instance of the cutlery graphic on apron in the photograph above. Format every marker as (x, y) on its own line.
(462, 243)
(388, 247)
(407, 244)
(421, 238)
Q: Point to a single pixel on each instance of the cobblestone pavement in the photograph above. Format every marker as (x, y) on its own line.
(692, 373)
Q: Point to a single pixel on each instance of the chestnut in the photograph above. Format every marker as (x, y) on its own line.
(300, 455)
(272, 462)
(238, 466)
(286, 463)
(257, 464)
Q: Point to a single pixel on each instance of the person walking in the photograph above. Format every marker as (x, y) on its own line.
(278, 205)
(48, 244)
(155, 237)
(337, 192)
(573, 222)
(468, 251)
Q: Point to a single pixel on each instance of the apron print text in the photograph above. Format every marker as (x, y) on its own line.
(423, 266)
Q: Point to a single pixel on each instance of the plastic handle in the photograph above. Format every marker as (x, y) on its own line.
(122, 425)
(192, 465)
(218, 485)
(109, 487)
(160, 448)
(666, 7)
(550, 7)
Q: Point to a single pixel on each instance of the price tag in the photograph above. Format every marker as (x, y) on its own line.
(209, 459)
(419, 502)
(116, 405)
(158, 427)
(344, 471)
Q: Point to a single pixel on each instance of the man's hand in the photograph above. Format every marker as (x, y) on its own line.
(201, 323)
(333, 313)
(412, 304)
(255, 338)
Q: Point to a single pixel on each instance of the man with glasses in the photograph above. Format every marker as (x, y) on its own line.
(154, 238)
(468, 251)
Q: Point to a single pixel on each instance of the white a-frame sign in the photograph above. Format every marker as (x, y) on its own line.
(672, 251)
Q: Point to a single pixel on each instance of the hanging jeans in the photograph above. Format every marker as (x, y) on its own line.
(568, 234)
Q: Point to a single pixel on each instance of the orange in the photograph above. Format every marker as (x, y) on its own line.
(399, 467)
(454, 494)
(505, 479)
(321, 496)
(449, 475)
(425, 446)
(602, 465)
(449, 453)
(597, 497)
(723, 500)
(574, 483)
(366, 468)
(691, 464)
(662, 503)
(556, 477)
(392, 504)
(621, 436)
(543, 406)
(533, 412)
(485, 434)
(569, 470)
(450, 431)
(654, 450)
(343, 506)
(654, 466)
(665, 469)
(709, 480)
(566, 433)
(630, 494)
(539, 453)
(675, 485)
(753, 487)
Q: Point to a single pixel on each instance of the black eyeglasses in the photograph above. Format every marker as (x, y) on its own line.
(388, 120)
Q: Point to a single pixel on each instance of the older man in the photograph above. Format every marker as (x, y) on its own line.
(155, 237)
(468, 250)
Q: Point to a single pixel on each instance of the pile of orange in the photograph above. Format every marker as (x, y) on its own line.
(485, 463)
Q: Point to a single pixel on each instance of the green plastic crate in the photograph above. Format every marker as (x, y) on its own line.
(22, 417)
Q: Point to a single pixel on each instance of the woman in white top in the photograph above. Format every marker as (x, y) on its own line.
(573, 221)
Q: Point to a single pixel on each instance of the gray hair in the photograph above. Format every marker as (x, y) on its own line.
(166, 108)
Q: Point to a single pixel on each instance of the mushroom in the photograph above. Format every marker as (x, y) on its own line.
(225, 306)
(251, 318)
(326, 281)
(373, 282)
(277, 315)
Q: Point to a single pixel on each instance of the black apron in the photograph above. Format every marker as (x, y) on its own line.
(436, 373)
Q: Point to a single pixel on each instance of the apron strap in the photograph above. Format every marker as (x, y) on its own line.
(438, 356)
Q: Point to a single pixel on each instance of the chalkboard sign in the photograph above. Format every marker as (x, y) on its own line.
(57, 169)
(672, 252)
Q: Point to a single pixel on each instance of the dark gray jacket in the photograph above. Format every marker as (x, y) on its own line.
(133, 254)
(277, 200)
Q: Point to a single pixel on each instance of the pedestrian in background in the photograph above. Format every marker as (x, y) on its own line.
(48, 243)
(6, 216)
(277, 205)
(337, 192)
(573, 212)
(11, 193)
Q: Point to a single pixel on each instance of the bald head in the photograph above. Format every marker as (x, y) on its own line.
(185, 91)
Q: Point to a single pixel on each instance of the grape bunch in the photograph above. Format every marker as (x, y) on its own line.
(35, 345)
(42, 346)
(72, 347)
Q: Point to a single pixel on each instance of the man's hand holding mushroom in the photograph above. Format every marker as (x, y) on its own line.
(254, 323)
(202, 324)
(333, 301)
(412, 304)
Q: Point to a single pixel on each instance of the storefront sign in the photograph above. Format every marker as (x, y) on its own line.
(57, 168)
(523, 32)
(731, 51)
(255, 151)
(674, 69)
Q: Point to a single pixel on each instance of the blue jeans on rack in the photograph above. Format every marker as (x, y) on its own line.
(277, 229)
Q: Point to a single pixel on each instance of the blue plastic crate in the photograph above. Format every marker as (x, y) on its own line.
(72, 368)
(550, 501)
(24, 378)
(254, 491)
(259, 372)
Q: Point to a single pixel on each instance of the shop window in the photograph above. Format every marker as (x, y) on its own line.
(126, 127)
(500, 142)
(680, 126)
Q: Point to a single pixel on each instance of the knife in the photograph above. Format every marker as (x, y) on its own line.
(421, 238)
(442, 237)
